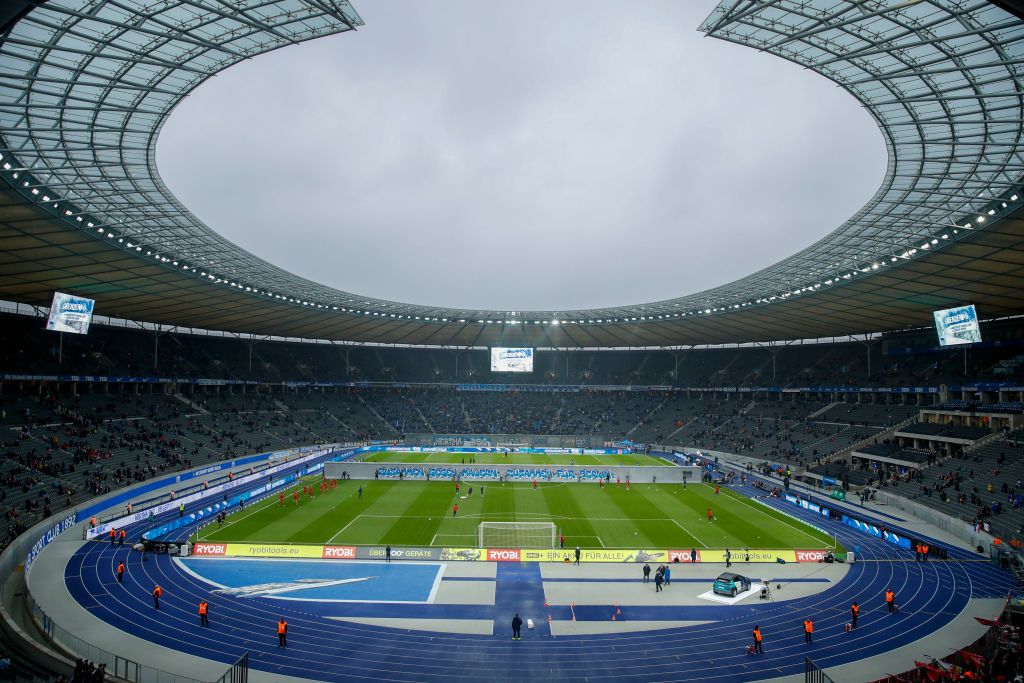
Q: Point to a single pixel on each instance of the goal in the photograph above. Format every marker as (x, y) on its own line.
(517, 535)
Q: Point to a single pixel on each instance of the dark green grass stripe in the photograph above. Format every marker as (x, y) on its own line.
(326, 514)
(564, 501)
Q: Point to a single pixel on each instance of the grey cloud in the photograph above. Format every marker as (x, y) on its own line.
(522, 156)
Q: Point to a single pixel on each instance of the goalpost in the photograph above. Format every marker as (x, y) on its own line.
(517, 535)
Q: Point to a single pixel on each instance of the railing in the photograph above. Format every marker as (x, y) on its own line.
(885, 433)
(116, 665)
(812, 674)
(238, 673)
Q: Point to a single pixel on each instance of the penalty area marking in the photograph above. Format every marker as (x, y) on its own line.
(436, 536)
(331, 539)
(594, 537)
(773, 517)
(689, 533)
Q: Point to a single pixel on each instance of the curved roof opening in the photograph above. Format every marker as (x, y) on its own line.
(579, 161)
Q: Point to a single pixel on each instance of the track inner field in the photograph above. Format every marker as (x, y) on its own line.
(417, 513)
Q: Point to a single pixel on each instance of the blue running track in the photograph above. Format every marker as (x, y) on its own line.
(930, 595)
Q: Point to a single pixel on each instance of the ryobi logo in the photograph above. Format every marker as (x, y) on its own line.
(209, 549)
(502, 554)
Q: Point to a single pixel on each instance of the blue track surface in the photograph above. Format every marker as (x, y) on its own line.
(930, 595)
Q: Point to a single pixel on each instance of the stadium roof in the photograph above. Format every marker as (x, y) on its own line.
(85, 86)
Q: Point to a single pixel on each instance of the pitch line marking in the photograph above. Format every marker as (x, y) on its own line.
(689, 534)
(765, 513)
(331, 539)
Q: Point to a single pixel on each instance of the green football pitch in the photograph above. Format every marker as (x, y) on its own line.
(417, 513)
(538, 459)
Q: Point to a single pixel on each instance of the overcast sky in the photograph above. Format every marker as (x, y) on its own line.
(528, 155)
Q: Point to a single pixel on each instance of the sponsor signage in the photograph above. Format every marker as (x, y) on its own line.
(810, 555)
(503, 554)
(749, 555)
(462, 554)
(273, 550)
(208, 549)
(48, 537)
(348, 552)
(202, 494)
(380, 552)
(683, 556)
(134, 494)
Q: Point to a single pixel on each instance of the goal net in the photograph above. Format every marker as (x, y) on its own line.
(517, 535)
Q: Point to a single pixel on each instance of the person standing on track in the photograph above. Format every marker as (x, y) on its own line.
(204, 608)
(120, 538)
(854, 613)
(758, 649)
(120, 572)
(157, 592)
(577, 555)
(890, 600)
(647, 572)
(728, 558)
(113, 537)
(282, 633)
(387, 554)
(517, 624)
(693, 555)
(808, 631)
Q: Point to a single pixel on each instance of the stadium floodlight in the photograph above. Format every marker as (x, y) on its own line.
(517, 535)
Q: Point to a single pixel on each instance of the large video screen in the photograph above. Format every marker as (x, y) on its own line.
(957, 326)
(511, 360)
(69, 313)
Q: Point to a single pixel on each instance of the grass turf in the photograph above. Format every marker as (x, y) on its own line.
(416, 513)
(535, 459)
